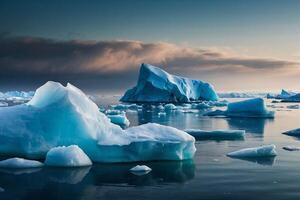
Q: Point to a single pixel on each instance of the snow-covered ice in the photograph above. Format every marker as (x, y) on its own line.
(71, 156)
(63, 116)
(262, 151)
(216, 134)
(156, 85)
(140, 170)
(18, 163)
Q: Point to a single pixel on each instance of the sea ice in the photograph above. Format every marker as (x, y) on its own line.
(3, 104)
(119, 119)
(170, 106)
(140, 170)
(156, 85)
(247, 108)
(262, 151)
(216, 134)
(18, 163)
(63, 116)
(71, 156)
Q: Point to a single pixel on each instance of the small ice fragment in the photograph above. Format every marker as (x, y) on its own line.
(18, 163)
(262, 151)
(293, 106)
(71, 156)
(294, 132)
(140, 170)
(291, 148)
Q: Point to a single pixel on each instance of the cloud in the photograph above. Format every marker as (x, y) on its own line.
(27, 62)
(35, 55)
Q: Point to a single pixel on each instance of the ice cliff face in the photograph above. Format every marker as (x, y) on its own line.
(156, 85)
(63, 116)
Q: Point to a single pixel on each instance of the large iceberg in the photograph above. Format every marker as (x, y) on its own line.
(63, 116)
(248, 108)
(156, 85)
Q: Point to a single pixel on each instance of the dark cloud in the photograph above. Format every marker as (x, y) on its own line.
(33, 58)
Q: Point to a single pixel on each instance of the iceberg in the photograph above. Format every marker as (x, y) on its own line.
(119, 119)
(170, 107)
(293, 98)
(263, 151)
(285, 94)
(294, 132)
(248, 108)
(140, 170)
(60, 115)
(216, 134)
(18, 163)
(156, 85)
(71, 156)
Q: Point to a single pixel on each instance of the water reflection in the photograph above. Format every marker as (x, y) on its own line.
(252, 125)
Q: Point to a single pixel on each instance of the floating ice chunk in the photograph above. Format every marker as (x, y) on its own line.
(216, 134)
(63, 116)
(1, 189)
(247, 108)
(170, 106)
(263, 151)
(3, 104)
(119, 119)
(156, 85)
(140, 170)
(294, 132)
(293, 98)
(293, 106)
(202, 105)
(71, 156)
(18, 163)
(162, 114)
(291, 148)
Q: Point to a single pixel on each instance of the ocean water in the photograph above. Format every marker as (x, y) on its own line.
(210, 175)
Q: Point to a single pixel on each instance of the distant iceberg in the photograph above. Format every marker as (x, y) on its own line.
(293, 98)
(156, 85)
(63, 116)
(216, 134)
(247, 108)
(242, 94)
(254, 152)
(294, 132)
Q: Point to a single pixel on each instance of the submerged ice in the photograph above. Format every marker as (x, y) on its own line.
(63, 116)
(156, 85)
(216, 134)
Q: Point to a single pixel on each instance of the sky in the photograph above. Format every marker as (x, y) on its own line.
(236, 45)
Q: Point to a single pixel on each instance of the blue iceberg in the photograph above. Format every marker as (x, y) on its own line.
(20, 163)
(248, 108)
(71, 156)
(156, 85)
(64, 116)
(254, 152)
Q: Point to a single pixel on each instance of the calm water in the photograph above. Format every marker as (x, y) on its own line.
(210, 175)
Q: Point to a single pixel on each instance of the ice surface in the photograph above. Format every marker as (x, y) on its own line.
(262, 151)
(71, 156)
(140, 170)
(63, 116)
(216, 134)
(119, 119)
(18, 163)
(156, 85)
(294, 132)
(248, 108)
(170, 106)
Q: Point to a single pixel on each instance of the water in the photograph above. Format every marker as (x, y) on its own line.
(210, 175)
